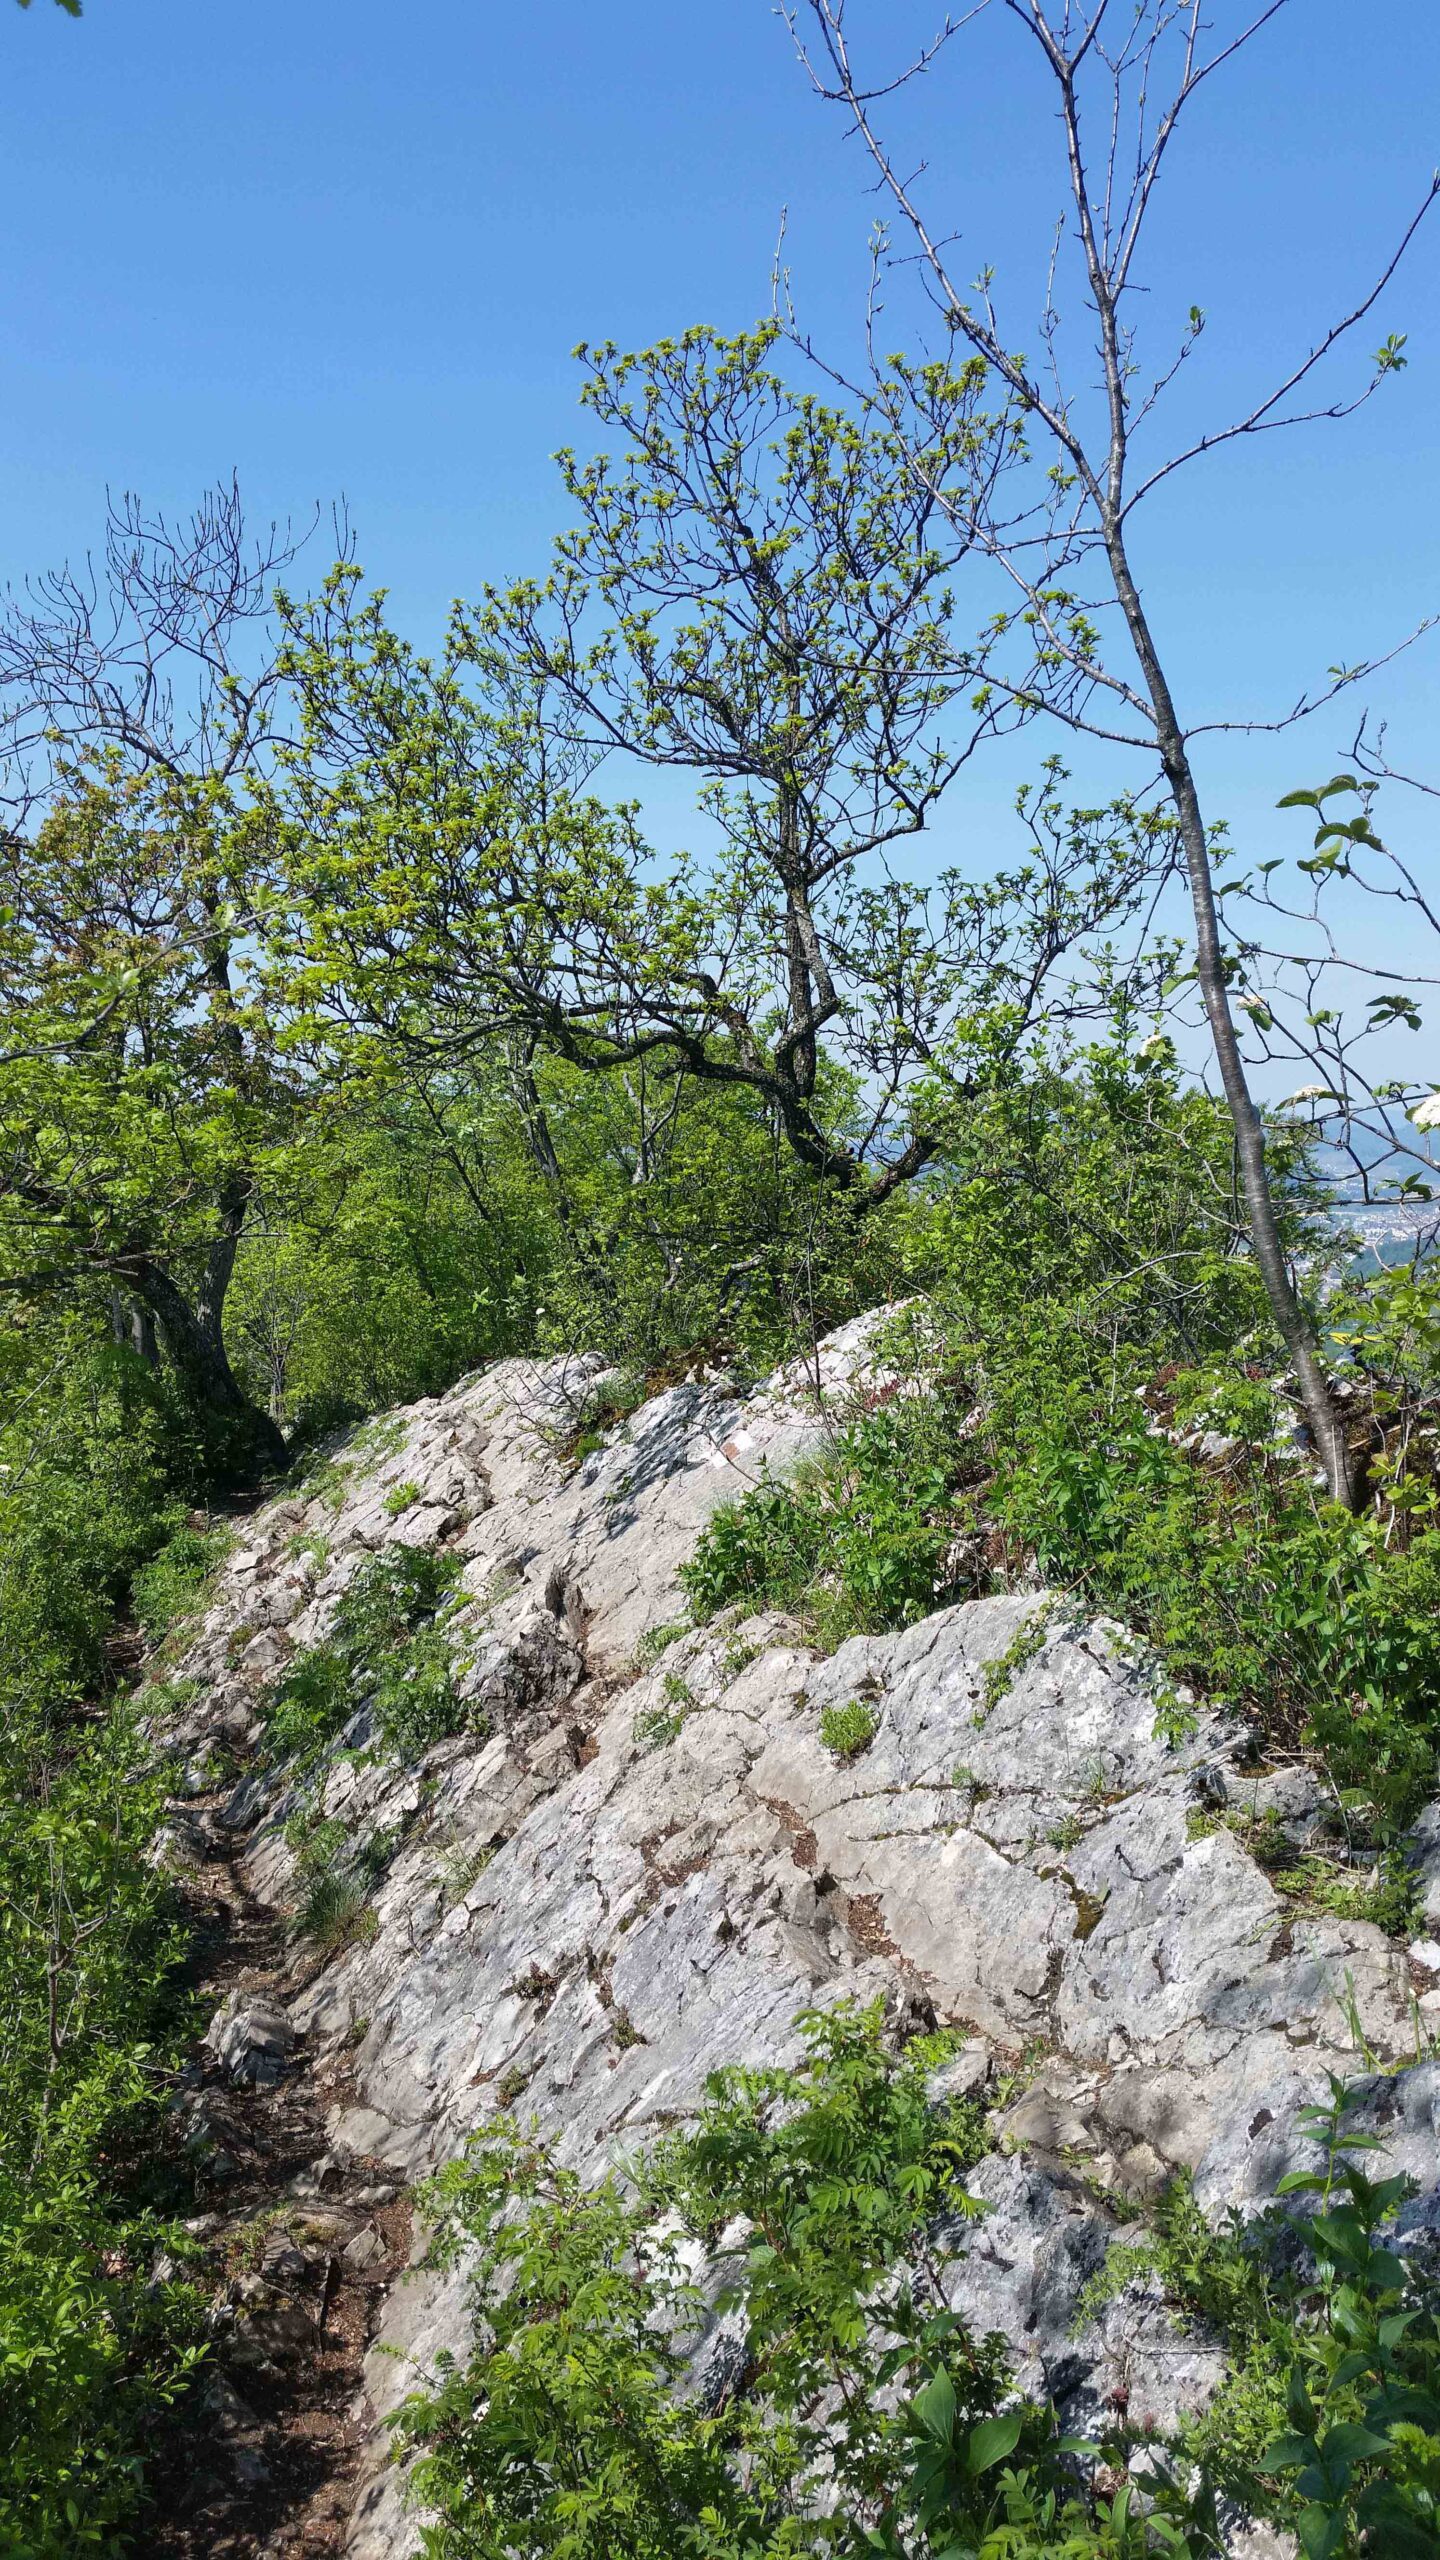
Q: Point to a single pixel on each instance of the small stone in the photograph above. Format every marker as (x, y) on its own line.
(250, 2037)
(963, 2076)
(364, 2250)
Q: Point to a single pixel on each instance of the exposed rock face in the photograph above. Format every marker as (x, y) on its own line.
(633, 1878)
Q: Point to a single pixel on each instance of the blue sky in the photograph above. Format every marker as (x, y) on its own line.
(347, 247)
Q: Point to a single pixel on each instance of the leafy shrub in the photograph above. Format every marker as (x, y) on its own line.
(1328, 2422)
(310, 1705)
(91, 2354)
(566, 2433)
(856, 1541)
(827, 2199)
(1253, 1587)
(400, 1498)
(385, 1648)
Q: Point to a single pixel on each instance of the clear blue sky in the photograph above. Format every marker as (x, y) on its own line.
(347, 246)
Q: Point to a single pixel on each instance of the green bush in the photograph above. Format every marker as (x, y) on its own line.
(567, 2431)
(386, 1649)
(91, 2354)
(856, 1541)
(1328, 2420)
(825, 2201)
(1253, 1588)
(170, 1585)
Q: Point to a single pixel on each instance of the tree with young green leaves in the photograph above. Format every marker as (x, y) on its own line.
(142, 1088)
(756, 594)
(1080, 634)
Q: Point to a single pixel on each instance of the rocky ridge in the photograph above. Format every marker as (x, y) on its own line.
(625, 1877)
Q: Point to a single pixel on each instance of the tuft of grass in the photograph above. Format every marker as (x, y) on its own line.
(848, 1730)
(336, 1911)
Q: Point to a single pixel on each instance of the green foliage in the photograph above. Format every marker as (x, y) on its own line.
(849, 1729)
(386, 1650)
(1253, 1587)
(91, 2354)
(566, 2433)
(856, 1540)
(1328, 2422)
(170, 1585)
(91, 2357)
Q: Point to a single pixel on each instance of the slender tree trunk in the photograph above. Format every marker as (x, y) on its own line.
(1326, 1421)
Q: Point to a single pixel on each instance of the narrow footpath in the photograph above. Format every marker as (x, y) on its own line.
(299, 2243)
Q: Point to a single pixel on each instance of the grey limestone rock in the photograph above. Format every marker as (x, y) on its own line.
(620, 1878)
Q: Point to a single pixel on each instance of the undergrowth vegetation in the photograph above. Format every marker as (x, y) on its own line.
(683, 2363)
(1087, 1397)
(93, 2353)
(386, 1650)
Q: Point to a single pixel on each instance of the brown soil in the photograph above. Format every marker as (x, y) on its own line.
(265, 2455)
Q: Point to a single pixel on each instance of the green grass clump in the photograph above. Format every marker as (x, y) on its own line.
(335, 1911)
(848, 1730)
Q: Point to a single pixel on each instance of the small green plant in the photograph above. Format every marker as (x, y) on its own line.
(169, 1589)
(602, 1411)
(166, 1699)
(848, 1730)
(328, 1483)
(380, 1437)
(998, 1677)
(656, 1725)
(308, 1542)
(457, 1868)
(401, 1497)
(657, 1640)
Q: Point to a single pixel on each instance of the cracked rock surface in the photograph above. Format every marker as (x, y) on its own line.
(586, 1912)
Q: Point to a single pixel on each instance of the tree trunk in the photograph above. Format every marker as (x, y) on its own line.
(1343, 1474)
(248, 1444)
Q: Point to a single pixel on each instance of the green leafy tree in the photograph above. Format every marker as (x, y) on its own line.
(141, 1084)
(755, 594)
